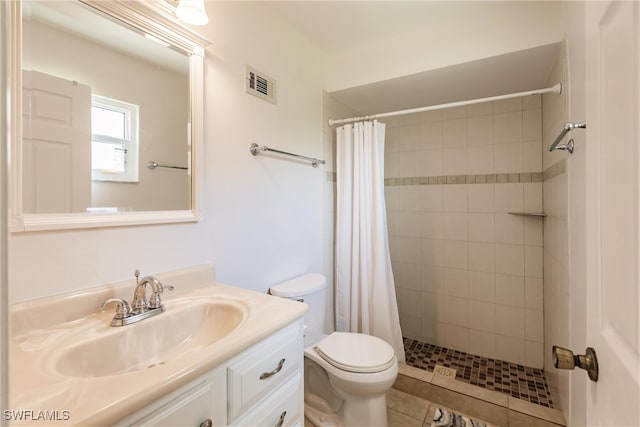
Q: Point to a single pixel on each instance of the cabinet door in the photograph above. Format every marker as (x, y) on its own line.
(189, 410)
(259, 370)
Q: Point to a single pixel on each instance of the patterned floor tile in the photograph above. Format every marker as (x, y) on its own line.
(518, 381)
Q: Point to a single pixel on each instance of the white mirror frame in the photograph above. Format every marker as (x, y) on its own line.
(156, 19)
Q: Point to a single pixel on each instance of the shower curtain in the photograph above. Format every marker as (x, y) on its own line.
(365, 290)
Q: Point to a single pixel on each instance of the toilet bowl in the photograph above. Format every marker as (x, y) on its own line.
(346, 374)
(360, 368)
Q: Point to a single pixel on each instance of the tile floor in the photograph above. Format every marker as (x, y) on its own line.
(417, 394)
(498, 393)
(522, 382)
(406, 410)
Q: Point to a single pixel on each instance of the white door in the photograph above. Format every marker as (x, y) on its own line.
(613, 210)
(56, 149)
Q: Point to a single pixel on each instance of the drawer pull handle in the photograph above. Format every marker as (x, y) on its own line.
(281, 420)
(206, 423)
(266, 375)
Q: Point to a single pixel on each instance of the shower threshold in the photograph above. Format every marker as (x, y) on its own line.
(518, 381)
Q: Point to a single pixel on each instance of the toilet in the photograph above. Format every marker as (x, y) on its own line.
(346, 374)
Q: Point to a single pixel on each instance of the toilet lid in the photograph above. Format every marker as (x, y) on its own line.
(356, 352)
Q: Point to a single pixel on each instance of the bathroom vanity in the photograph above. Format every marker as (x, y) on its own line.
(218, 356)
(234, 394)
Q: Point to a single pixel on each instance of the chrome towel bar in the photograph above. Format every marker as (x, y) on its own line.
(255, 148)
(568, 146)
(152, 165)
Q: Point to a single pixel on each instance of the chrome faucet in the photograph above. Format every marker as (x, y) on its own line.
(139, 304)
(140, 308)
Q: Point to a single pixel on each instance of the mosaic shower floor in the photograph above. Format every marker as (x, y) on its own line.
(518, 381)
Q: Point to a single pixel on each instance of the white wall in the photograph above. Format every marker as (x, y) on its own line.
(455, 33)
(574, 20)
(556, 248)
(263, 215)
(565, 229)
(266, 211)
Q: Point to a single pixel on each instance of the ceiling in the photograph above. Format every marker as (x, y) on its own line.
(335, 26)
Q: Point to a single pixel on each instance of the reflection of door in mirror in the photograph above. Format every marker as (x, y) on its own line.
(115, 63)
(56, 160)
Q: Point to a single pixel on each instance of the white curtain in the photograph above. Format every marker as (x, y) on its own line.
(365, 290)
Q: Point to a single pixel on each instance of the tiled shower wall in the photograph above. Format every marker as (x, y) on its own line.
(468, 274)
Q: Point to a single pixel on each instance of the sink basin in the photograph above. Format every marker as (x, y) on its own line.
(184, 328)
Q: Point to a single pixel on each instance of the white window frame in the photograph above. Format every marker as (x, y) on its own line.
(130, 142)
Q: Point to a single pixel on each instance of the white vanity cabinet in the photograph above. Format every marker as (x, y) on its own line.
(262, 386)
(265, 384)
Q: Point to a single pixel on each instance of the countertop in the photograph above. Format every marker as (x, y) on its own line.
(40, 326)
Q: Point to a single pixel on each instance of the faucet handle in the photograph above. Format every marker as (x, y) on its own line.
(155, 301)
(122, 307)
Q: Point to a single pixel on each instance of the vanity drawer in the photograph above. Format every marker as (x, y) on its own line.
(188, 406)
(262, 368)
(189, 409)
(284, 407)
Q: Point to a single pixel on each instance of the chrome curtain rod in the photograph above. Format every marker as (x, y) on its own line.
(255, 148)
(568, 146)
(557, 89)
(152, 165)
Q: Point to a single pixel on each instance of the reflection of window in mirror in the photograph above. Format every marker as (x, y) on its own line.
(114, 140)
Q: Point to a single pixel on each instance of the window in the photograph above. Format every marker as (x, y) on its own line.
(114, 140)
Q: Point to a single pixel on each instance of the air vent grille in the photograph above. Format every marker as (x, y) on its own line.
(260, 85)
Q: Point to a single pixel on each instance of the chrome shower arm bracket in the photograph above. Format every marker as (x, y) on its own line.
(569, 126)
(568, 146)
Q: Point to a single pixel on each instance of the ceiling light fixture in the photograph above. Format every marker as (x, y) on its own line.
(192, 12)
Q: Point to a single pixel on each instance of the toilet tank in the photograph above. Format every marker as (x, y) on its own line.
(310, 289)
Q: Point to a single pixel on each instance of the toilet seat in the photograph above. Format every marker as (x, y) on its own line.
(357, 353)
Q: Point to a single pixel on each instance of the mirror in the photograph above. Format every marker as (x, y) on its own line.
(112, 115)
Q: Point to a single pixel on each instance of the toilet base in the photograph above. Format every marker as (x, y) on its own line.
(321, 419)
(365, 411)
(354, 399)
(356, 412)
